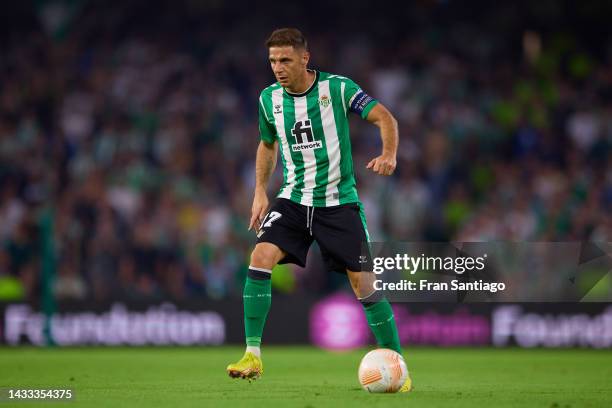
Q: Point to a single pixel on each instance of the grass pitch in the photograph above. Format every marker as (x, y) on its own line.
(308, 377)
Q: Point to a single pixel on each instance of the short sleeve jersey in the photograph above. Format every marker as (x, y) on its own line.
(312, 130)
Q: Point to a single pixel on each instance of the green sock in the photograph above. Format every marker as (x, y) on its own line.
(382, 323)
(257, 297)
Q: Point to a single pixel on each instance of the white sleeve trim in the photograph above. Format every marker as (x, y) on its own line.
(353, 97)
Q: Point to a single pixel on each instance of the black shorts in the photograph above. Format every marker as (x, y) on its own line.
(340, 232)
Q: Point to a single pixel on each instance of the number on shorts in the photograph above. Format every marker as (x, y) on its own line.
(271, 217)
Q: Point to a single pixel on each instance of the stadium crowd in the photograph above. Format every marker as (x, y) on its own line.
(137, 137)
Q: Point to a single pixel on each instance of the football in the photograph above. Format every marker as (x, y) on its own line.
(382, 370)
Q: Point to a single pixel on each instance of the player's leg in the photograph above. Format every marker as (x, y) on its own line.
(281, 239)
(257, 294)
(257, 298)
(341, 231)
(377, 309)
(378, 313)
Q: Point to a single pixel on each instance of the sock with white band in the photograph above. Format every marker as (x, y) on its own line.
(257, 298)
(381, 321)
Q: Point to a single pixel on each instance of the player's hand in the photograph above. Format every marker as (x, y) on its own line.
(383, 165)
(259, 209)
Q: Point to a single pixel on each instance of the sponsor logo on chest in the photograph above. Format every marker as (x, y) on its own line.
(304, 137)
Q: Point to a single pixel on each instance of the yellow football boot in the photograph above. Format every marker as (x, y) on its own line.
(407, 387)
(249, 367)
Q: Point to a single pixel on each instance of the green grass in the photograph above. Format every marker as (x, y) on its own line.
(307, 377)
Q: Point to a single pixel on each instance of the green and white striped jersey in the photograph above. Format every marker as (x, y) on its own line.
(312, 130)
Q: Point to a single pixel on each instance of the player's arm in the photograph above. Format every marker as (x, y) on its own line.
(265, 163)
(386, 162)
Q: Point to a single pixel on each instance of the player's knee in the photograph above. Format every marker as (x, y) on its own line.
(264, 256)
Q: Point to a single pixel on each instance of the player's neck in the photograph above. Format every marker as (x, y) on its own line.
(305, 82)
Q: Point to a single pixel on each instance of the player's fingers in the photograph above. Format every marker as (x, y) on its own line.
(252, 222)
(370, 164)
(262, 215)
(376, 166)
(389, 168)
(255, 217)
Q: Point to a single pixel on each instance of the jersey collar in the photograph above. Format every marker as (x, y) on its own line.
(306, 92)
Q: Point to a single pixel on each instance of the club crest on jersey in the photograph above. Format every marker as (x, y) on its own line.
(278, 109)
(324, 101)
(304, 138)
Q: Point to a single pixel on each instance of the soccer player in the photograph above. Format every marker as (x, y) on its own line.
(305, 116)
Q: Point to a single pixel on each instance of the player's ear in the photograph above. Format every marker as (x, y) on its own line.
(305, 57)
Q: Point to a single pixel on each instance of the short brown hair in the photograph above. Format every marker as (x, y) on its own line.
(287, 37)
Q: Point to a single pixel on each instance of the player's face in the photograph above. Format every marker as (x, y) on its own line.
(288, 65)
